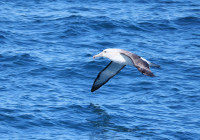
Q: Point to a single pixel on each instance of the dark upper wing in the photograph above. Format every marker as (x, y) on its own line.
(106, 74)
(140, 64)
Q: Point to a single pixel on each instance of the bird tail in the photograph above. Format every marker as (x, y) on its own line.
(151, 64)
(154, 65)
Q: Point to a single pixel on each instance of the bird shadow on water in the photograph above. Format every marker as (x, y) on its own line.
(103, 126)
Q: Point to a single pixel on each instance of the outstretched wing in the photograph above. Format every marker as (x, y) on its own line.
(106, 74)
(139, 63)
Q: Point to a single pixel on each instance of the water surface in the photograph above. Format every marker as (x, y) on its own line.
(47, 70)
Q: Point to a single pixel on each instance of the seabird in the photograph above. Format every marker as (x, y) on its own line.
(119, 59)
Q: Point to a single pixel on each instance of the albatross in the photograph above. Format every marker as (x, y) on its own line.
(119, 59)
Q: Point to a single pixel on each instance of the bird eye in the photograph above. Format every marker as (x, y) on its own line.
(105, 51)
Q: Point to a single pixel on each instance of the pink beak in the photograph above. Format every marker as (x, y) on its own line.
(98, 55)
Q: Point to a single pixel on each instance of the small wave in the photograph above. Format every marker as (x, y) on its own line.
(105, 43)
(104, 24)
(188, 20)
(93, 65)
(71, 32)
(19, 64)
(14, 60)
(194, 69)
(8, 57)
(169, 1)
(75, 9)
(107, 25)
(145, 83)
(158, 1)
(136, 27)
(40, 71)
(69, 72)
(2, 37)
(156, 25)
(7, 117)
(68, 18)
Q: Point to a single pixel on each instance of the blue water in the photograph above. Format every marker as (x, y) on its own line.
(47, 70)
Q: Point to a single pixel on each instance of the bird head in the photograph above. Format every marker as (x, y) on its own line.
(108, 53)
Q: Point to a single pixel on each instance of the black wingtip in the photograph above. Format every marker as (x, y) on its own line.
(93, 89)
(146, 72)
(152, 75)
(149, 73)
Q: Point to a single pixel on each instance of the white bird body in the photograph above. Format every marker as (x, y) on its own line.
(122, 59)
(115, 56)
(119, 59)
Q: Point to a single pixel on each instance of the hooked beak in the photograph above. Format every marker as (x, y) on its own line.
(98, 55)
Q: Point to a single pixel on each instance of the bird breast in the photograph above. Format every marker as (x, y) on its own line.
(122, 59)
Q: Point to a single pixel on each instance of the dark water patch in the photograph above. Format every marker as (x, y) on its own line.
(41, 70)
(103, 25)
(192, 72)
(177, 107)
(136, 28)
(158, 1)
(3, 88)
(105, 43)
(7, 118)
(69, 73)
(145, 83)
(8, 110)
(2, 37)
(70, 18)
(114, 25)
(57, 109)
(71, 32)
(175, 89)
(194, 10)
(157, 25)
(81, 8)
(26, 122)
(26, 116)
(107, 25)
(18, 60)
(74, 32)
(169, 1)
(88, 55)
(194, 98)
(180, 134)
(6, 57)
(190, 20)
(43, 123)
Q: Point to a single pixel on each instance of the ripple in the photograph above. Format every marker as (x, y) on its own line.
(188, 20)
(2, 37)
(14, 57)
(157, 25)
(17, 60)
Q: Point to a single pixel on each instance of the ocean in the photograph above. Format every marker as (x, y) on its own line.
(47, 70)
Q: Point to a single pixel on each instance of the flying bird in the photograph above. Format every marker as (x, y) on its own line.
(119, 59)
